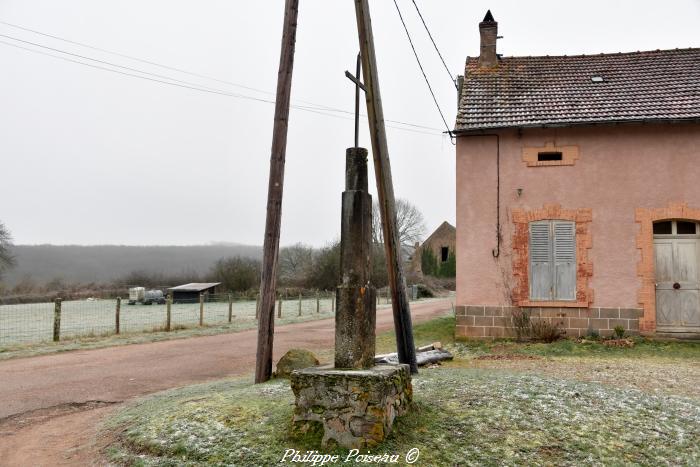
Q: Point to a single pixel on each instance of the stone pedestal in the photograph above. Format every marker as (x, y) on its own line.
(355, 322)
(353, 408)
(355, 318)
(353, 404)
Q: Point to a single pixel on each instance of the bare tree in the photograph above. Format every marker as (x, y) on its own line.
(7, 260)
(409, 220)
(295, 263)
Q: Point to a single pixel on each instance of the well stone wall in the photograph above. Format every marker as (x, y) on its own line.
(353, 408)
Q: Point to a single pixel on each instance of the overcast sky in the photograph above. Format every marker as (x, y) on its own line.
(90, 156)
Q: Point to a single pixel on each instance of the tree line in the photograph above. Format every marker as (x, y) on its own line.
(299, 266)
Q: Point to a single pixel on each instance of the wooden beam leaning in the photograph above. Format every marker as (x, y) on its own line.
(385, 188)
(268, 281)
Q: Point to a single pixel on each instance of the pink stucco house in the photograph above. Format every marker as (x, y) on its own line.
(578, 191)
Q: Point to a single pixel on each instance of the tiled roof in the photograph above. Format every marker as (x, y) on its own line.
(552, 91)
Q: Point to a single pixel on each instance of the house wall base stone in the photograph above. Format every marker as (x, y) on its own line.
(489, 322)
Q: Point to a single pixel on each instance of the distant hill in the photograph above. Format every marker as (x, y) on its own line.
(103, 263)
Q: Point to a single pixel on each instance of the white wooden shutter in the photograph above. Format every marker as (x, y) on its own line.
(564, 244)
(541, 260)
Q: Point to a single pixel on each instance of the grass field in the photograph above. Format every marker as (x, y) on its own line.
(33, 323)
(499, 403)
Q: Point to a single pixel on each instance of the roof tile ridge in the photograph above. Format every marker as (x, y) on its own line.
(604, 54)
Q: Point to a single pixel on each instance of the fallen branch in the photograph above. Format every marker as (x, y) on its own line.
(422, 358)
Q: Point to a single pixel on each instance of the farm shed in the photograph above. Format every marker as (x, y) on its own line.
(190, 292)
(578, 201)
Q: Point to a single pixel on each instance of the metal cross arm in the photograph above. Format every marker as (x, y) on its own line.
(358, 85)
(355, 80)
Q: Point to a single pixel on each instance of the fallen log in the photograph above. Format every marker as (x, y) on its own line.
(422, 358)
(433, 346)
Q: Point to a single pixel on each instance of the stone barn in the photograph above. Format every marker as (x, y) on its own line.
(441, 247)
(577, 191)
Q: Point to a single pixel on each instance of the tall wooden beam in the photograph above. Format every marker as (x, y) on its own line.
(385, 188)
(268, 282)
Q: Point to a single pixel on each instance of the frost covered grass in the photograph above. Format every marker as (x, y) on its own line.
(565, 403)
(240, 322)
(642, 348)
(462, 416)
(442, 329)
(155, 335)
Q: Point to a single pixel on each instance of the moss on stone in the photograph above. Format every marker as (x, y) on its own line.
(295, 359)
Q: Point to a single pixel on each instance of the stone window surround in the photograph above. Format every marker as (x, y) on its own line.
(521, 258)
(646, 270)
(569, 155)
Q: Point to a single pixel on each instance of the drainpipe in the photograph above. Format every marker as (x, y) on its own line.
(496, 252)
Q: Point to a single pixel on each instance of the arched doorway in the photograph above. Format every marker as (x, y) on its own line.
(677, 270)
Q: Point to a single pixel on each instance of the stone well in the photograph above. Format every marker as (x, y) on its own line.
(354, 408)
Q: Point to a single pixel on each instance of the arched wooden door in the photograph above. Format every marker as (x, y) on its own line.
(677, 260)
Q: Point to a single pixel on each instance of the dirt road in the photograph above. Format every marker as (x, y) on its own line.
(50, 405)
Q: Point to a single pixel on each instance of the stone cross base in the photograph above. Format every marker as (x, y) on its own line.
(353, 408)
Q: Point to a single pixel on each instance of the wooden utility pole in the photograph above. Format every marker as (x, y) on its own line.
(385, 188)
(268, 282)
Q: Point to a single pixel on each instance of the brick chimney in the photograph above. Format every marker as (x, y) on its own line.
(488, 30)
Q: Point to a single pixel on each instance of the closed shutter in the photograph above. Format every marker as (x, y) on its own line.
(564, 260)
(552, 260)
(541, 284)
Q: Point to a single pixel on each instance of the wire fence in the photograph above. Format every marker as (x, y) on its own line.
(31, 323)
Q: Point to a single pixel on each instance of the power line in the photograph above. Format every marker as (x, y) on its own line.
(435, 45)
(191, 86)
(420, 65)
(315, 107)
(131, 57)
(104, 62)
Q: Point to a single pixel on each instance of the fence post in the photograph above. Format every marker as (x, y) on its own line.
(117, 310)
(299, 303)
(168, 312)
(279, 307)
(257, 306)
(57, 320)
(318, 303)
(332, 302)
(201, 309)
(230, 307)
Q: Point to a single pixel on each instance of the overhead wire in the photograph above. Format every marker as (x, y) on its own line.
(188, 85)
(435, 45)
(131, 57)
(314, 106)
(425, 76)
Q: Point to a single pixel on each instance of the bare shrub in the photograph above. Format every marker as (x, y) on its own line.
(522, 324)
(544, 331)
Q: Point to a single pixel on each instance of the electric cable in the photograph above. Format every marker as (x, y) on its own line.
(318, 107)
(435, 45)
(191, 86)
(420, 65)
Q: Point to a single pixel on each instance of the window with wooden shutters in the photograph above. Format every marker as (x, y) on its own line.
(552, 260)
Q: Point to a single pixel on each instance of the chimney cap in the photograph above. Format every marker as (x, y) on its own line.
(488, 18)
